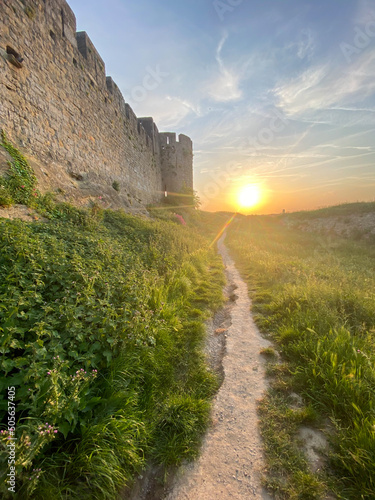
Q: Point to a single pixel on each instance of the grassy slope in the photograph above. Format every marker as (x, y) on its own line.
(101, 332)
(341, 210)
(315, 297)
(127, 298)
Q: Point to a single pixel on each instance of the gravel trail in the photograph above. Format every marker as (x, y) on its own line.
(231, 458)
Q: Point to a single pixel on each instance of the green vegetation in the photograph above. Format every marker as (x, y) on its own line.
(101, 332)
(315, 297)
(20, 183)
(116, 185)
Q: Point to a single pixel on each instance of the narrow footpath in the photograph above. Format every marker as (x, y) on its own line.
(231, 459)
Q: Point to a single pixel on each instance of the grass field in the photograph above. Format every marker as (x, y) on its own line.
(101, 338)
(314, 296)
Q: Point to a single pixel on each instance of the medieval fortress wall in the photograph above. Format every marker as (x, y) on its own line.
(59, 107)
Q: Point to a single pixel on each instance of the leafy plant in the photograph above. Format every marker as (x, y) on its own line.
(116, 185)
(20, 183)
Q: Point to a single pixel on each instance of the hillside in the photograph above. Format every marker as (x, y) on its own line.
(350, 220)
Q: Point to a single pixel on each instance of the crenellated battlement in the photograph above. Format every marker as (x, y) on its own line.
(94, 63)
(61, 108)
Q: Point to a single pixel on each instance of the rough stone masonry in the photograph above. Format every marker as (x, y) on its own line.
(71, 121)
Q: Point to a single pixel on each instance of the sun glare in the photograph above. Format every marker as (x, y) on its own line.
(249, 196)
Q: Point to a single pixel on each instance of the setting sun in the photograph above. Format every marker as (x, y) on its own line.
(249, 196)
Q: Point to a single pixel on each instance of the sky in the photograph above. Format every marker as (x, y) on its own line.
(277, 93)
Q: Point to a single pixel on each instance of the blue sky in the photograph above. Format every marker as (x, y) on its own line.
(279, 93)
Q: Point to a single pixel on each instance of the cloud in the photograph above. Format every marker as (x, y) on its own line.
(225, 87)
(327, 87)
(168, 111)
(366, 11)
(304, 46)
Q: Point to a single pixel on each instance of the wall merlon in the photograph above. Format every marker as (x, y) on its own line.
(95, 63)
(184, 139)
(60, 19)
(110, 84)
(69, 23)
(148, 124)
(167, 138)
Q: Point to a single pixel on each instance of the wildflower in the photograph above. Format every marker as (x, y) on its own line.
(48, 373)
(181, 219)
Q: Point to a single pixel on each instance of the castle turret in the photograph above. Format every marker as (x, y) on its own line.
(176, 162)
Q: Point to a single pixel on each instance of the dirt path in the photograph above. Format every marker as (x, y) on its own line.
(231, 458)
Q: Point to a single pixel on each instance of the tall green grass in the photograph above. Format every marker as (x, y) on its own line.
(315, 297)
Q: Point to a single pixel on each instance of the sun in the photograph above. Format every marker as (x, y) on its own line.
(249, 196)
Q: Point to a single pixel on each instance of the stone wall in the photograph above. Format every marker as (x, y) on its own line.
(71, 120)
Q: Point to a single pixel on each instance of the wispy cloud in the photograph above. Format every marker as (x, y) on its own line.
(324, 86)
(306, 44)
(303, 46)
(225, 86)
(366, 10)
(169, 112)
